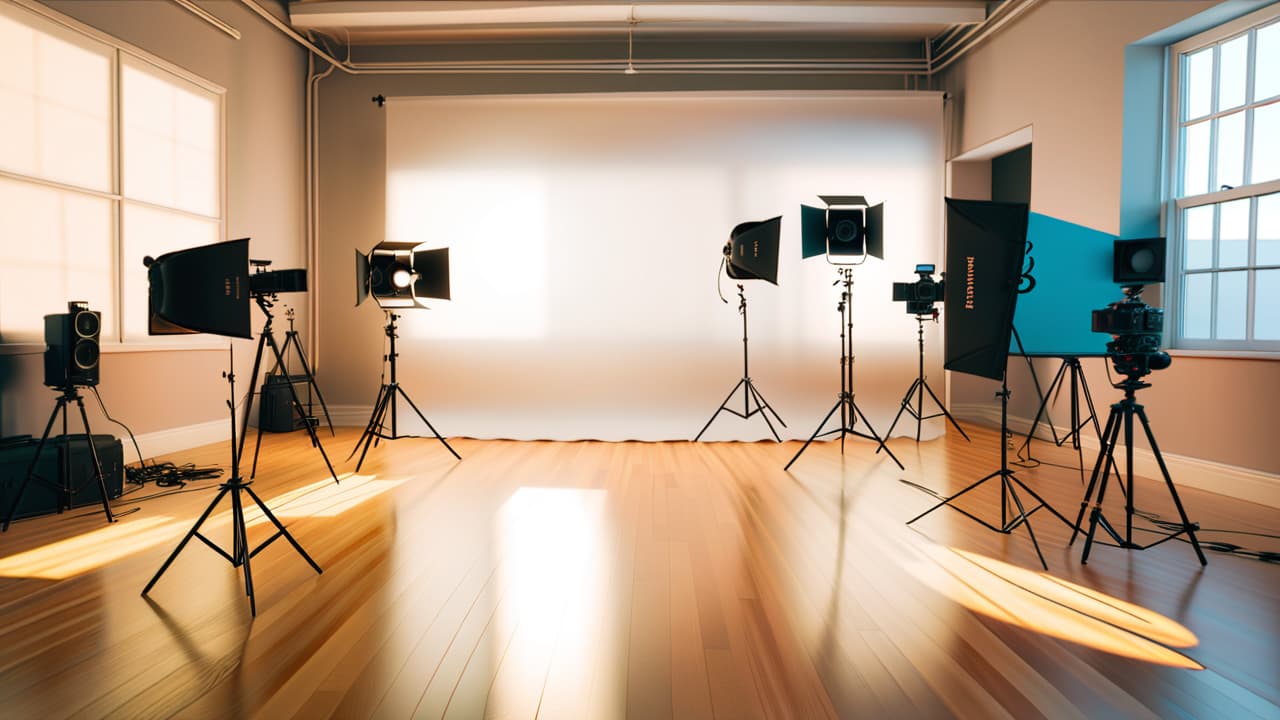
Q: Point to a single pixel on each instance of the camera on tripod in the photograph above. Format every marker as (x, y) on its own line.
(1135, 326)
(271, 282)
(921, 294)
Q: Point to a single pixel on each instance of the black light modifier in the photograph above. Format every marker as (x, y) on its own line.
(203, 289)
(752, 250)
(401, 274)
(847, 230)
(1139, 261)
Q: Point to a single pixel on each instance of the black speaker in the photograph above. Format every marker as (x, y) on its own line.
(1139, 261)
(73, 353)
(845, 228)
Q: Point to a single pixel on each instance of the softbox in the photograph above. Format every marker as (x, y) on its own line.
(753, 250)
(986, 242)
(201, 290)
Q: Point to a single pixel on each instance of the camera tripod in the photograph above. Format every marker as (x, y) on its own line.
(65, 491)
(1068, 372)
(1009, 485)
(291, 340)
(1122, 413)
(267, 339)
(922, 386)
(375, 430)
(240, 554)
(749, 391)
(849, 411)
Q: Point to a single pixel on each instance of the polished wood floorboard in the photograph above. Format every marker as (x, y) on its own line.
(642, 580)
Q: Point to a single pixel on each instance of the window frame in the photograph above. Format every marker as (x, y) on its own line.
(118, 51)
(1177, 203)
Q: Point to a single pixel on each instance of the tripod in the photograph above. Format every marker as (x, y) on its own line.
(268, 339)
(291, 340)
(375, 430)
(65, 491)
(1122, 414)
(1069, 371)
(749, 391)
(922, 386)
(240, 554)
(1009, 484)
(849, 411)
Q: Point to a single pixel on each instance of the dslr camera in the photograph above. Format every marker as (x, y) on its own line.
(921, 294)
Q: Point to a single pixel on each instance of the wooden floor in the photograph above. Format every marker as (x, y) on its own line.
(609, 580)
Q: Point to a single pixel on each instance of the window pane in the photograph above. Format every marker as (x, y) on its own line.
(1195, 159)
(1233, 234)
(170, 150)
(1232, 67)
(1198, 83)
(1230, 151)
(56, 247)
(148, 231)
(1196, 302)
(55, 88)
(1269, 229)
(1199, 236)
(1266, 84)
(1266, 142)
(1231, 305)
(1266, 305)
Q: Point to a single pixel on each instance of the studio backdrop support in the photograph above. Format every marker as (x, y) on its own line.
(207, 289)
(751, 253)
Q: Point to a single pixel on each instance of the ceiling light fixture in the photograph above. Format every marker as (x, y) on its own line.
(631, 26)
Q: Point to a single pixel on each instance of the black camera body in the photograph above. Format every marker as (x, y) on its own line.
(921, 294)
(271, 282)
(1135, 329)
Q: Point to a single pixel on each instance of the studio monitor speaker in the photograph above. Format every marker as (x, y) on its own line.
(73, 353)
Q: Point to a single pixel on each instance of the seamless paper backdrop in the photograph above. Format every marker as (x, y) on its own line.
(585, 232)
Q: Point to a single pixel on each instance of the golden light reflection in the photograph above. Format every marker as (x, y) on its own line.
(553, 567)
(91, 550)
(1054, 607)
(324, 498)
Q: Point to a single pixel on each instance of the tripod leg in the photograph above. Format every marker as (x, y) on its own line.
(241, 541)
(716, 414)
(1022, 513)
(946, 413)
(821, 425)
(761, 402)
(375, 424)
(1109, 452)
(855, 410)
(97, 465)
(31, 466)
(948, 500)
(1168, 480)
(297, 404)
(368, 426)
(253, 382)
(311, 378)
(903, 407)
(409, 400)
(760, 406)
(284, 533)
(195, 529)
(1104, 456)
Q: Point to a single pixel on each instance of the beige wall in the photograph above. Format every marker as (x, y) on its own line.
(1060, 69)
(264, 75)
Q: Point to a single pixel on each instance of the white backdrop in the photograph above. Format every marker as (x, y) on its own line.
(585, 232)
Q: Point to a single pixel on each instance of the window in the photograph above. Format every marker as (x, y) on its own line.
(1225, 214)
(105, 156)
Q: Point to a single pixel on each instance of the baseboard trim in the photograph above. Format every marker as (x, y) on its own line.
(1229, 480)
(163, 442)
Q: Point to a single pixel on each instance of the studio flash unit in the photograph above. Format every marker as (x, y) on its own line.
(921, 294)
(847, 229)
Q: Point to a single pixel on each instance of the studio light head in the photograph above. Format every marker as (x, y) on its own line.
(402, 274)
(847, 230)
(200, 290)
(272, 282)
(921, 294)
(1134, 326)
(752, 250)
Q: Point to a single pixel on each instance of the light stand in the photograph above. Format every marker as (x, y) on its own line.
(240, 554)
(64, 488)
(375, 430)
(922, 386)
(749, 391)
(267, 339)
(1122, 413)
(1009, 484)
(1068, 372)
(291, 340)
(849, 411)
